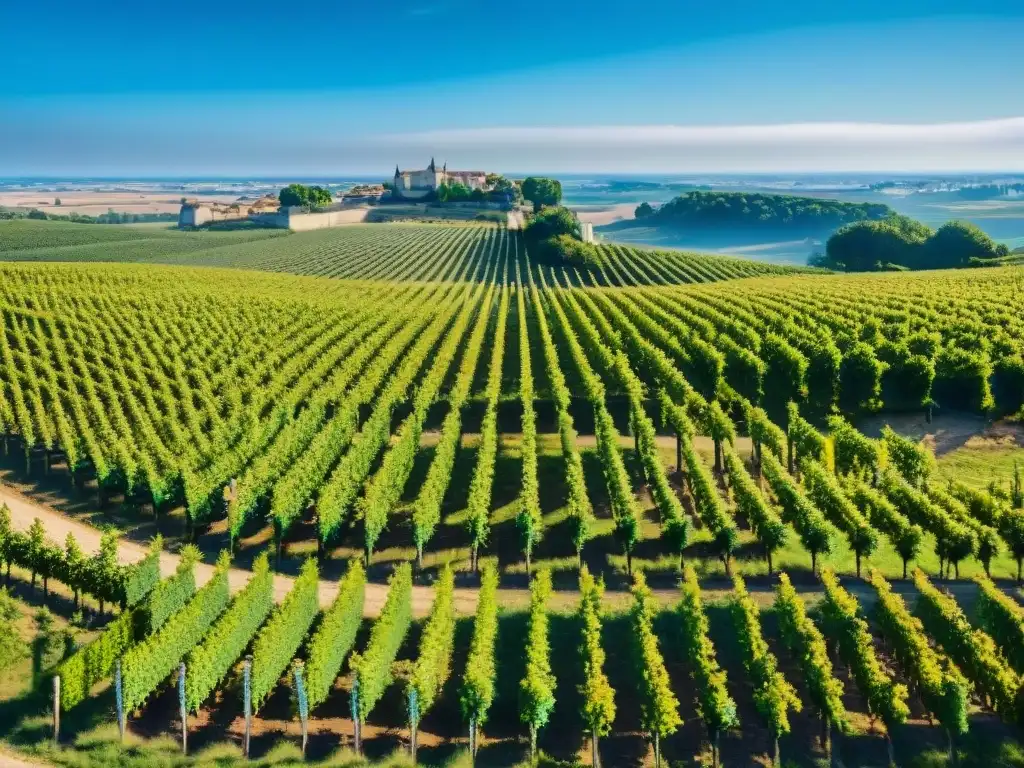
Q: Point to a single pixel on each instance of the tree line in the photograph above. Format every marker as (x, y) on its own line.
(754, 210)
(901, 243)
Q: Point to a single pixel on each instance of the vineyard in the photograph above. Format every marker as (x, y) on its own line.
(568, 448)
(358, 252)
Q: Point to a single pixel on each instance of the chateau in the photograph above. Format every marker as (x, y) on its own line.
(415, 184)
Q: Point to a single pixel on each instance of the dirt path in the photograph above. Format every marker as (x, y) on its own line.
(58, 526)
(9, 759)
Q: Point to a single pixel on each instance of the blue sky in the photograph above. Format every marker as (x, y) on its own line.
(569, 85)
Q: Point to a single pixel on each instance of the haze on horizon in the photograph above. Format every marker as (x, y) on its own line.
(574, 87)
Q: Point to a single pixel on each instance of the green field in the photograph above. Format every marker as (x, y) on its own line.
(363, 252)
(424, 394)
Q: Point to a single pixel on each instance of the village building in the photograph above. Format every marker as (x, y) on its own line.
(419, 184)
(196, 213)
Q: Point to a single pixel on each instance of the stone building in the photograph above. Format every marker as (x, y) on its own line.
(418, 184)
(196, 213)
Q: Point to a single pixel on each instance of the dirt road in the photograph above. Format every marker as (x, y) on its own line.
(58, 526)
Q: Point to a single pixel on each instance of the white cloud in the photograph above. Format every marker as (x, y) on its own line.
(824, 146)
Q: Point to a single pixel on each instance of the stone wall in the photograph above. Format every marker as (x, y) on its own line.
(298, 221)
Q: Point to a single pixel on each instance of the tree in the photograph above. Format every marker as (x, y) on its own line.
(306, 197)
(553, 236)
(867, 246)
(36, 548)
(105, 569)
(957, 243)
(552, 222)
(643, 210)
(292, 195)
(74, 565)
(542, 192)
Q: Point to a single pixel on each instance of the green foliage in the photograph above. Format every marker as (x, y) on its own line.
(643, 210)
(752, 505)
(48, 645)
(553, 236)
(335, 635)
(877, 245)
(1003, 619)
(785, 378)
(843, 623)
(973, 651)
(150, 662)
(675, 524)
(537, 688)
(171, 595)
(962, 380)
(140, 579)
(911, 459)
(907, 380)
(854, 453)
(953, 540)
(481, 484)
(714, 704)
(773, 696)
(944, 690)
(210, 661)
(542, 191)
(306, 197)
(659, 707)
(12, 647)
(805, 442)
(529, 519)
(763, 431)
(551, 223)
(434, 663)
(904, 535)
(477, 690)
(384, 489)
(708, 503)
(373, 667)
(751, 210)
(597, 694)
(825, 492)
(275, 645)
(960, 244)
(581, 513)
(95, 662)
(860, 379)
(797, 510)
(807, 645)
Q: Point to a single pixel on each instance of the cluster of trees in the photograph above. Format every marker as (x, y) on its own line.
(110, 217)
(704, 210)
(305, 197)
(542, 192)
(899, 242)
(553, 236)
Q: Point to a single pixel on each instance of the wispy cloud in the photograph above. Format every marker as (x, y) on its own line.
(1011, 129)
(986, 145)
(844, 146)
